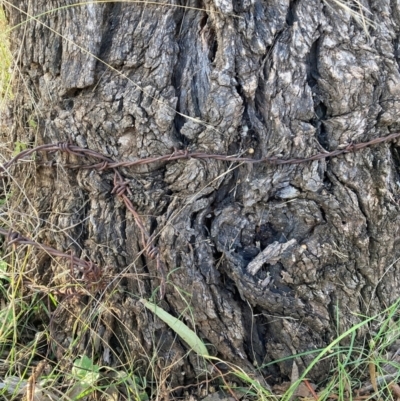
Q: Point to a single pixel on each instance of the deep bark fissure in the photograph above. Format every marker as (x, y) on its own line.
(291, 13)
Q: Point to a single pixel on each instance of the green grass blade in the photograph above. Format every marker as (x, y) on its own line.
(187, 335)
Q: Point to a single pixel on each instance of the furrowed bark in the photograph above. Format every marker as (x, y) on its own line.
(286, 79)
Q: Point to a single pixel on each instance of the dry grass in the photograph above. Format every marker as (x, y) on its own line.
(5, 63)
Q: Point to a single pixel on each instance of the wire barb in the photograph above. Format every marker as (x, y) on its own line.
(120, 186)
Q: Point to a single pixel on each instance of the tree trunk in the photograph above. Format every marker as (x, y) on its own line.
(282, 78)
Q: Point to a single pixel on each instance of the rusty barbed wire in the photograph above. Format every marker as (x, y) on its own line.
(179, 154)
(150, 250)
(91, 272)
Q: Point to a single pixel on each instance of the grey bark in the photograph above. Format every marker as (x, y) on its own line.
(285, 78)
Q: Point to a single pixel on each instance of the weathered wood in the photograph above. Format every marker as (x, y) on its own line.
(284, 78)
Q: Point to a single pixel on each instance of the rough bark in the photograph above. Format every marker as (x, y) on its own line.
(286, 78)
